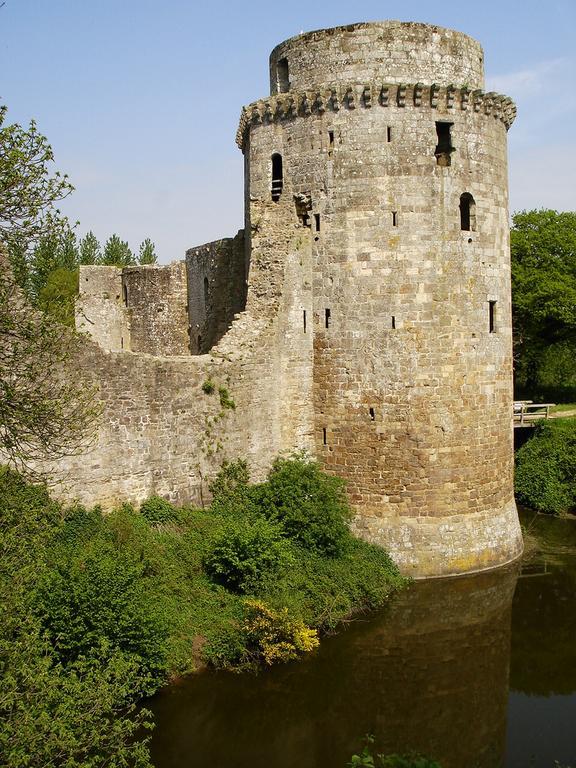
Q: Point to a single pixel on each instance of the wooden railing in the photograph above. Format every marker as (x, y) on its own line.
(526, 412)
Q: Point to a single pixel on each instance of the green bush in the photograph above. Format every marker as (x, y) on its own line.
(246, 554)
(545, 477)
(158, 510)
(310, 505)
(96, 590)
(78, 715)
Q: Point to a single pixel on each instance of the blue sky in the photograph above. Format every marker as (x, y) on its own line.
(140, 100)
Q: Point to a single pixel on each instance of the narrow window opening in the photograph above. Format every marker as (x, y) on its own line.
(304, 319)
(389, 134)
(121, 342)
(492, 316)
(327, 318)
(206, 291)
(324, 436)
(467, 213)
(282, 76)
(393, 322)
(317, 222)
(125, 295)
(330, 143)
(277, 177)
(372, 414)
(394, 218)
(444, 147)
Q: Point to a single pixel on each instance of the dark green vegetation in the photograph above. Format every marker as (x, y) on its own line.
(99, 611)
(545, 476)
(368, 759)
(543, 249)
(43, 249)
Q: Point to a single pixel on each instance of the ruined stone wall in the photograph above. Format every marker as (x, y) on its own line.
(157, 302)
(216, 289)
(100, 310)
(412, 388)
(159, 432)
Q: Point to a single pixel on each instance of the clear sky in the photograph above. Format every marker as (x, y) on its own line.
(140, 99)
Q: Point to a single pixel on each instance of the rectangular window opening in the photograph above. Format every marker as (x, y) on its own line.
(330, 143)
(372, 414)
(492, 316)
(389, 134)
(324, 436)
(394, 218)
(393, 322)
(304, 319)
(317, 222)
(327, 318)
(444, 147)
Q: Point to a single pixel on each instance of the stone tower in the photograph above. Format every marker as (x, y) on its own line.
(379, 140)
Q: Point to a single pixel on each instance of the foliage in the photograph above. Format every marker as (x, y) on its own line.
(225, 399)
(543, 248)
(58, 296)
(311, 506)
(117, 253)
(246, 554)
(89, 250)
(274, 636)
(44, 414)
(96, 595)
(208, 387)
(147, 253)
(82, 715)
(158, 510)
(546, 468)
(367, 759)
(28, 191)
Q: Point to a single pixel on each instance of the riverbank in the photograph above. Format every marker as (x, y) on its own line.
(115, 606)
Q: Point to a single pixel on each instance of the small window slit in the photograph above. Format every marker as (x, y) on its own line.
(372, 414)
(324, 436)
(327, 318)
(393, 324)
(304, 320)
(492, 317)
(388, 134)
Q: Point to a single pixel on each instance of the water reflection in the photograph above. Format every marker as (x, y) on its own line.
(430, 674)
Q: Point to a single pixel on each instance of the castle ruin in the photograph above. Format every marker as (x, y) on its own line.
(363, 313)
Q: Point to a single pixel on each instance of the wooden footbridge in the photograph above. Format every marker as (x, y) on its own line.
(526, 413)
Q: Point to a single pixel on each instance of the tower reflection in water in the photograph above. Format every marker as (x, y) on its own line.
(430, 674)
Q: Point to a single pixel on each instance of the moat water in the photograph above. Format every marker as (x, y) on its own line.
(477, 672)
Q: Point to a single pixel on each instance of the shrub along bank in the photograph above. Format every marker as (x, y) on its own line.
(109, 608)
(545, 474)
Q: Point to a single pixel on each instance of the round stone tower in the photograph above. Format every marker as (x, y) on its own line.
(380, 142)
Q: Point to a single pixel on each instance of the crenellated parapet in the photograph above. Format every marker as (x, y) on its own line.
(445, 99)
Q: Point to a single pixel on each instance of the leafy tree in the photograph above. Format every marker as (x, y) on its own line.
(543, 246)
(45, 413)
(147, 252)
(58, 296)
(89, 249)
(68, 256)
(28, 190)
(117, 253)
(43, 261)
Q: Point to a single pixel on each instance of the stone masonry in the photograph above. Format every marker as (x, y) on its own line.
(362, 315)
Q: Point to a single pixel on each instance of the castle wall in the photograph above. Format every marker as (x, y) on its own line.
(157, 303)
(216, 289)
(100, 309)
(159, 432)
(376, 327)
